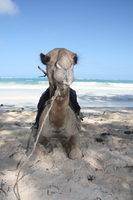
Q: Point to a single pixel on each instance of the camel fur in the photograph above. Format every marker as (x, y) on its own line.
(61, 122)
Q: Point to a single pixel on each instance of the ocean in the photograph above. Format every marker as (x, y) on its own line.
(90, 92)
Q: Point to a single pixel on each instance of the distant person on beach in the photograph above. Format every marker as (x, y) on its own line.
(45, 97)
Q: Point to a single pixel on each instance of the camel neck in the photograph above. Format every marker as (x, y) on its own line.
(60, 109)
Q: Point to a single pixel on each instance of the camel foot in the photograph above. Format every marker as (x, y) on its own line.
(40, 149)
(75, 153)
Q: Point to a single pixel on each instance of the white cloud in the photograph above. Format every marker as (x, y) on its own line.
(8, 7)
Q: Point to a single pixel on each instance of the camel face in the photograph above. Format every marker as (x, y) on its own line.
(63, 76)
(60, 63)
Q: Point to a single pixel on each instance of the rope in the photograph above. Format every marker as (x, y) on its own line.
(35, 143)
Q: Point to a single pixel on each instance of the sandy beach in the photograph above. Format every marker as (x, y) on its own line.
(105, 172)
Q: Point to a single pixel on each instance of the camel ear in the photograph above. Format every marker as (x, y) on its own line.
(75, 58)
(44, 58)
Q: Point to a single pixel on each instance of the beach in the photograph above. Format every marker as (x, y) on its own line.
(105, 172)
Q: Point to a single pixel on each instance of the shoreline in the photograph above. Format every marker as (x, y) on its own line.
(91, 94)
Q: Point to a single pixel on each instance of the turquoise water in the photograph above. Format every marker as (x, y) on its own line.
(42, 80)
(24, 80)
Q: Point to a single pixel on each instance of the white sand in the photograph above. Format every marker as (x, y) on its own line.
(104, 173)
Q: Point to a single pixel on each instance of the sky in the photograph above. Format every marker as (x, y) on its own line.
(99, 31)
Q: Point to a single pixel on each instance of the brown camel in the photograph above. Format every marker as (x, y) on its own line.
(61, 122)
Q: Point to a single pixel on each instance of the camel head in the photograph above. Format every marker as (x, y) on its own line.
(59, 65)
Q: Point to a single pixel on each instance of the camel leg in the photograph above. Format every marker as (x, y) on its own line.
(43, 145)
(66, 146)
(43, 140)
(75, 151)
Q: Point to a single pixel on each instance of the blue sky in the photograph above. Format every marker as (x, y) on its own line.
(99, 31)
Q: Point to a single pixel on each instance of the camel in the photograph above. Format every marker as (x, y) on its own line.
(61, 122)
